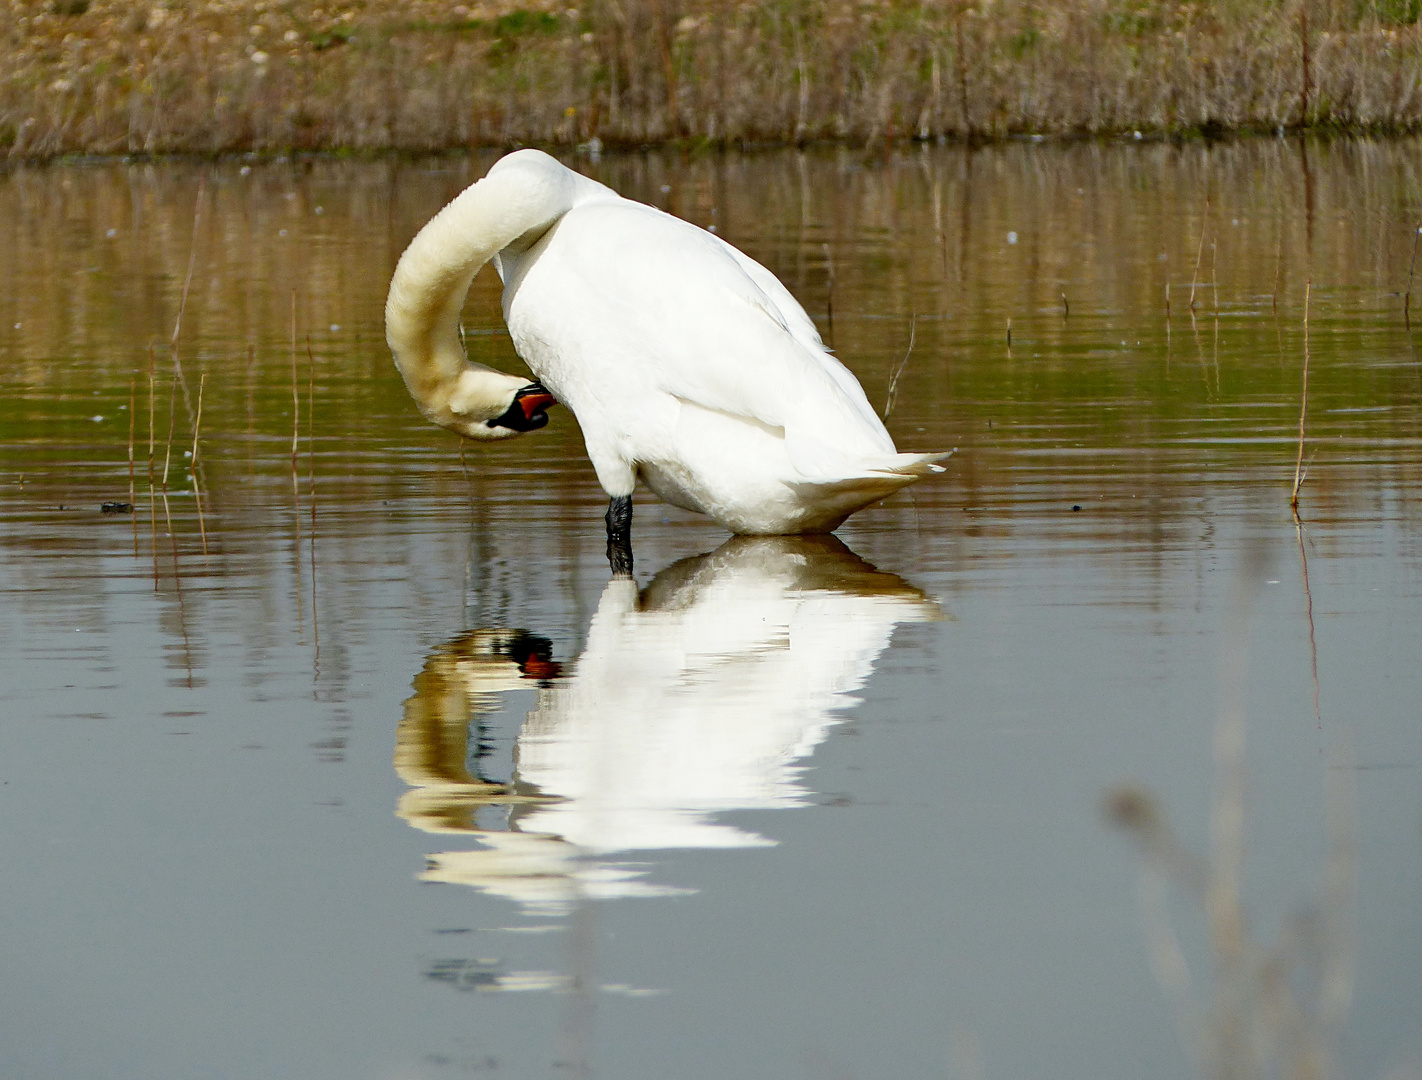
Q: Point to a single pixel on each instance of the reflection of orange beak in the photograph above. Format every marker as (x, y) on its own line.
(537, 668)
(535, 402)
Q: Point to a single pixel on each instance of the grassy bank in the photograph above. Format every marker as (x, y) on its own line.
(114, 76)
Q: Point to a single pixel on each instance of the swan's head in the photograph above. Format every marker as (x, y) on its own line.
(526, 410)
(485, 404)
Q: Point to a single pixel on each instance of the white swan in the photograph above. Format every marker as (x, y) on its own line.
(685, 362)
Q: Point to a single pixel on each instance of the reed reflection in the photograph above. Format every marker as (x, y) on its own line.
(702, 693)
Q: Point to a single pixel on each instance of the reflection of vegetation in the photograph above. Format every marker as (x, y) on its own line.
(1098, 409)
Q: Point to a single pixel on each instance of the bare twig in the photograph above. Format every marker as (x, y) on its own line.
(894, 380)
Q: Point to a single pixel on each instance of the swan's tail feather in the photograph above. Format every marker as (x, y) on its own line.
(914, 465)
(874, 480)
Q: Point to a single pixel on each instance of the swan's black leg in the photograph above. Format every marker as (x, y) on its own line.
(619, 534)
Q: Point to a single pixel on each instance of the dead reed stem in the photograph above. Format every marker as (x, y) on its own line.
(829, 294)
(178, 377)
(311, 490)
(1411, 266)
(132, 424)
(1215, 281)
(151, 407)
(894, 380)
(1278, 268)
(1199, 253)
(152, 505)
(295, 476)
(1303, 408)
(197, 487)
(168, 446)
(192, 263)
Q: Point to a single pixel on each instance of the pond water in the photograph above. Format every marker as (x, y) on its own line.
(341, 756)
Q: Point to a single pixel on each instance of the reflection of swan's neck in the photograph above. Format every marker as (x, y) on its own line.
(516, 203)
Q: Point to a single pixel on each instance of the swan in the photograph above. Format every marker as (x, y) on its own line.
(686, 363)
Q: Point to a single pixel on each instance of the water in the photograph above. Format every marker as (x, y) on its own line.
(354, 764)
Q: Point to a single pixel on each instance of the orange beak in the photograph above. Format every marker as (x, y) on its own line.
(535, 402)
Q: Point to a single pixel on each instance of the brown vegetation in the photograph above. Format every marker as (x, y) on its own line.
(115, 76)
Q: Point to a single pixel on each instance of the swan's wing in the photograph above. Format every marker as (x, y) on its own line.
(799, 325)
(708, 325)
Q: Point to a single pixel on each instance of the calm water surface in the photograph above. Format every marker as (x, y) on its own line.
(344, 758)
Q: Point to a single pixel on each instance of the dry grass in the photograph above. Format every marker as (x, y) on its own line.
(113, 76)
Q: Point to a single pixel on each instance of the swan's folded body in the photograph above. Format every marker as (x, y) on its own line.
(685, 361)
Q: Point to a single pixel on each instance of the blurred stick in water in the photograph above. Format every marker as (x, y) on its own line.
(1255, 1020)
(1303, 409)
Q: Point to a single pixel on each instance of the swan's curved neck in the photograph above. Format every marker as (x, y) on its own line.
(518, 201)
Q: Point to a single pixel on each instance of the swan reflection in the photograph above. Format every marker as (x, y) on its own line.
(703, 693)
